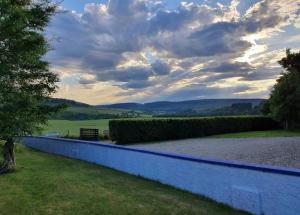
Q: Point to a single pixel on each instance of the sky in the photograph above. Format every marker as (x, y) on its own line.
(151, 50)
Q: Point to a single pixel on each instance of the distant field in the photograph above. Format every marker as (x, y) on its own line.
(64, 127)
(272, 133)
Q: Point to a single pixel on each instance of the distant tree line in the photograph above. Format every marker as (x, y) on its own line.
(92, 115)
(235, 109)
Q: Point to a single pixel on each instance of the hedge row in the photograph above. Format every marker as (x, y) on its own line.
(145, 130)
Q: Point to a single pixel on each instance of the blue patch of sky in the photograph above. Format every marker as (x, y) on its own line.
(70, 80)
(244, 5)
(287, 38)
(150, 57)
(78, 5)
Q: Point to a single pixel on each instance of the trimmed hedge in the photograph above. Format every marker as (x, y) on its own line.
(145, 130)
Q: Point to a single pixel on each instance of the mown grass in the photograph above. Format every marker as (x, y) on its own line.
(271, 133)
(47, 184)
(65, 127)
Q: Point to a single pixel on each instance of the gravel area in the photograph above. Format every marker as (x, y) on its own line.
(277, 151)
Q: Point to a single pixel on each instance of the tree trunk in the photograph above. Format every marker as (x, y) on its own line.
(286, 125)
(290, 124)
(8, 156)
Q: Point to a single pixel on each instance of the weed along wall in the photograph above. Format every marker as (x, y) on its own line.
(256, 189)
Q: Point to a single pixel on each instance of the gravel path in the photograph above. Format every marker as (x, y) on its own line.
(277, 151)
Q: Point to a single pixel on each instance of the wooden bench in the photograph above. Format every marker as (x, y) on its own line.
(89, 134)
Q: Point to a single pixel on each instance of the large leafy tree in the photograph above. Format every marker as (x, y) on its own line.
(284, 102)
(25, 80)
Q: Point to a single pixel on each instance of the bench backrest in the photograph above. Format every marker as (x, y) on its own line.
(89, 134)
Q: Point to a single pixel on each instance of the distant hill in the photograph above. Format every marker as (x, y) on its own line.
(82, 111)
(165, 106)
(204, 107)
(71, 103)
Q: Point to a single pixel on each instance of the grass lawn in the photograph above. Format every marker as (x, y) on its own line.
(63, 127)
(47, 184)
(272, 133)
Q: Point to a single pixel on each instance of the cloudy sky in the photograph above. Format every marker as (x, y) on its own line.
(149, 50)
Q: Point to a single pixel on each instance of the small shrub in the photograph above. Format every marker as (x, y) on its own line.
(145, 130)
(19, 148)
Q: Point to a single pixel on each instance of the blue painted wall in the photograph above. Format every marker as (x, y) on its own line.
(253, 188)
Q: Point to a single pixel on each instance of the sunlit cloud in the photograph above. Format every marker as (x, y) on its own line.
(138, 50)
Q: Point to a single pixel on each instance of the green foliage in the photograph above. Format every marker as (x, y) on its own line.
(25, 81)
(1, 145)
(145, 130)
(284, 102)
(1, 150)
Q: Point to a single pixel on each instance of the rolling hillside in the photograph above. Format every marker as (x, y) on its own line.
(81, 111)
(165, 106)
(68, 102)
(206, 107)
(94, 113)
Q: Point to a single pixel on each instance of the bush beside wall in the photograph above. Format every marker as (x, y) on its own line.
(145, 130)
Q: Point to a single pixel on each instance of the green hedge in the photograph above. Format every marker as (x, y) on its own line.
(144, 130)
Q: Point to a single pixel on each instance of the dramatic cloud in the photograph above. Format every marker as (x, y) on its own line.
(160, 68)
(146, 50)
(203, 91)
(229, 67)
(125, 75)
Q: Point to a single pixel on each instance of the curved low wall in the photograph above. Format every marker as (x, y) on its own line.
(254, 188)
